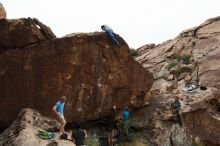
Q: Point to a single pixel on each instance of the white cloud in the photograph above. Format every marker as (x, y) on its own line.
(138, 21)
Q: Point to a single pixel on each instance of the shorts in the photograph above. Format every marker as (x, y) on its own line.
(110, 125)
(61, 119)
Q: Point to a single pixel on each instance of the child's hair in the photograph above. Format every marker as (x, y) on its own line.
(77, 126)
(102, 27)
(63, 98)
(177, 97)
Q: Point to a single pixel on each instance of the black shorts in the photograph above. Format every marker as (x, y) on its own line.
(110, 125)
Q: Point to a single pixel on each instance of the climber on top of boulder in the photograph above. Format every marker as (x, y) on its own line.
(110, 34)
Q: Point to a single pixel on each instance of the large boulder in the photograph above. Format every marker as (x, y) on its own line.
(87, 68)
(2, 12)
(19, 33)
(23, 131)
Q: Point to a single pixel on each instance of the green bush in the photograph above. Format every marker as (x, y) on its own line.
(178, 57)
(134, 52)
(172, 65)
(178, 72)
(158, 77)
(92, 140)
(186, 59)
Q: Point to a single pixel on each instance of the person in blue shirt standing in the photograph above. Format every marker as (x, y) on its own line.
(125, 116)
(58, 109)
(110, 34)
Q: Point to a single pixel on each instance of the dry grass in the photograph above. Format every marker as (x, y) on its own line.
(92, 140)
(137, 140)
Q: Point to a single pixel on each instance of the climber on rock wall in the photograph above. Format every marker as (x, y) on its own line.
(177, 107)
(110, 34)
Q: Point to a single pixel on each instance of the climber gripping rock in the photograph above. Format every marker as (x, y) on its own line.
(177, 107)
(110, 34)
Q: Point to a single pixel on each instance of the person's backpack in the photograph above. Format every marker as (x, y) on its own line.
(63, 136)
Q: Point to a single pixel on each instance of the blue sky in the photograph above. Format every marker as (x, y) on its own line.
(139, 22)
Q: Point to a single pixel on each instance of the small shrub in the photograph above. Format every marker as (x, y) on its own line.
(136, 140)
(178, 57)
(134, 52)
(137, 143)
(172, 65)
(196, 144)
(186, 59)
(193, 43)
(158, 77)
(178, 72)
(92, 140)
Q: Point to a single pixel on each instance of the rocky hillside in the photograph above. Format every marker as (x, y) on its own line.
(193, 55)
(36, 68)
(192, 58)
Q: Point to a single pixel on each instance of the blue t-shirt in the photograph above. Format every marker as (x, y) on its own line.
(126, 115)
(108, 29)
(60, 107)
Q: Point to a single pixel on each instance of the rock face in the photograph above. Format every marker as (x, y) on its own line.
(22, 132)
(2, 12)
(192, 57)
(87, 68)
(144, 48)
(19, 33)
